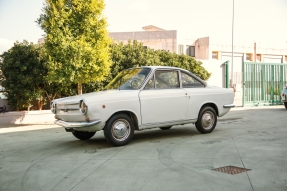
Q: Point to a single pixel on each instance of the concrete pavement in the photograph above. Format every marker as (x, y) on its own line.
(45, 157)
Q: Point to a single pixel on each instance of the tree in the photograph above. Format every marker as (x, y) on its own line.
(76, 41)
(23, 71)
(134, 54)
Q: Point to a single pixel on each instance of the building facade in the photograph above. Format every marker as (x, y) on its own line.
(152, 37)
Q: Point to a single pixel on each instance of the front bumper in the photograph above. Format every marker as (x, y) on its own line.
(76, 124)
(229, 105)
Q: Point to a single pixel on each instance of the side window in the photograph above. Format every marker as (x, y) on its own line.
(166, 79)
(190, 82)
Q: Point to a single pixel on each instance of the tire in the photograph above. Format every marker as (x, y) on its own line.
(285, 104)
(206, 121)
(119, 130)
(83, 135)
(165, 128)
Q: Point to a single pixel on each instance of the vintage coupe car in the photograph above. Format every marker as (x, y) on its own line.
(143, 98)
(284, 95)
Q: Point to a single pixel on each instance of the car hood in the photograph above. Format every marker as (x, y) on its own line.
(106, 95)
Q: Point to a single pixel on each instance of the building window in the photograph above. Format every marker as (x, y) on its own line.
(215, 55)
(285, 58)
(249, 56)
(180, 49)
(258, 57)
(190, 51)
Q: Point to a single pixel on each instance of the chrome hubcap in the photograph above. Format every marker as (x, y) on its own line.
(207, 120)
(121, 129)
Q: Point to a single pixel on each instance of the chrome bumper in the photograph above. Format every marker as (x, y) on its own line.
(229, 105)
(76, 124)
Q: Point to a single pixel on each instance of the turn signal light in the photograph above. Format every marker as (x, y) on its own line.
(83, 107)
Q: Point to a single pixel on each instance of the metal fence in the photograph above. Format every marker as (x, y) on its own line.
(262, 83)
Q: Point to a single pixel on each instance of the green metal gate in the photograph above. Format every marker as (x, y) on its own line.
(262, 83)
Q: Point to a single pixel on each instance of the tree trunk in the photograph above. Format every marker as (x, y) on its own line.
(40, 105)
(80, 88)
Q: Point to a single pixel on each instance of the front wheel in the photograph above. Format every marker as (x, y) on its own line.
(119, 130)
(285, 104)
(83, 135)
(206, 121)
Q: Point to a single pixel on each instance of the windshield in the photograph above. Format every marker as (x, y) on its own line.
(130, 79)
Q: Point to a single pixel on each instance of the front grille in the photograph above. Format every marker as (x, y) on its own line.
(68, 108)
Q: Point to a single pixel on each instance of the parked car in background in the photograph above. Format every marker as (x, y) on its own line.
(143, 98)
(284, 95)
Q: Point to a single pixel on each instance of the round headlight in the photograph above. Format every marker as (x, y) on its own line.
(83, 107)
(53, 107)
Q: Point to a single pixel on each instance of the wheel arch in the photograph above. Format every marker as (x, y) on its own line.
(131, 114)
(212, 105)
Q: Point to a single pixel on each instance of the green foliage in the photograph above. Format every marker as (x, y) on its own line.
(22, 69)
(134, 54)
(24, 72)
(2, 78)
(76, 42)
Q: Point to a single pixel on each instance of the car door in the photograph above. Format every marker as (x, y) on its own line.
(196, 92)
(163, 100)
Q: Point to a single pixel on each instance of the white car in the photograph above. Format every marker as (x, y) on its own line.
(143, 98)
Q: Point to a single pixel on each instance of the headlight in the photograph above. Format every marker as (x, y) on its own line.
(53, 107)
(83, 107)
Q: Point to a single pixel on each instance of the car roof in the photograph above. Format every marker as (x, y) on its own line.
(162, 67)
(166, 67)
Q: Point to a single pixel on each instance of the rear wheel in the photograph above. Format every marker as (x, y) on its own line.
(285, 104)
(207, 120)
(83, 135)
(165, 128)
(119, 130)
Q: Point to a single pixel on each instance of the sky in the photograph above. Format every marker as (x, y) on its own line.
(256, 20)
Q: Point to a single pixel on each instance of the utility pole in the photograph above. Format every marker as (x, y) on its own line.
(231, 81)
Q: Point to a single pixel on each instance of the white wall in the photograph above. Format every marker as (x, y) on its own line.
(215, 67)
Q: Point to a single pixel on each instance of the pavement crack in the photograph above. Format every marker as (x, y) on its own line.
(240, 158)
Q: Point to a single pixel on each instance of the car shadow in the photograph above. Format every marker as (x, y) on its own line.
(158, 134)
(155, 135)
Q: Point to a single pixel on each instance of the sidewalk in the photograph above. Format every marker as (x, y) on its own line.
(27, 117)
